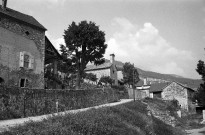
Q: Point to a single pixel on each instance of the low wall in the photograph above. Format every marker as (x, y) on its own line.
(18, 102)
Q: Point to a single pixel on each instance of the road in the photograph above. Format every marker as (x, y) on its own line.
(200, 131)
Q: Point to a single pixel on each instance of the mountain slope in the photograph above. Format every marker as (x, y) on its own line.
(192, 83)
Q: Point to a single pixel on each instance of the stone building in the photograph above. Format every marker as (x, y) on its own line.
(174, 90)
(107, 69)
(22, 49)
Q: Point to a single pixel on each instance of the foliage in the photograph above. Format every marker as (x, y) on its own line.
(84, 43)
(200, 94)
(126, 119)
(17, 102)
(130, 74)
(91, 77)
(192, 121)
(106, 80)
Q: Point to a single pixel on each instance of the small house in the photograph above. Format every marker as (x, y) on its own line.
(174, 90)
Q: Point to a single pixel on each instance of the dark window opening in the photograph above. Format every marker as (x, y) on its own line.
(27, 33)
(23, 83)
(1, 80)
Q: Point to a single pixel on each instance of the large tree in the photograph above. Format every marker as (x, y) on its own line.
(84, 43)
(200, 94)
(130, 74)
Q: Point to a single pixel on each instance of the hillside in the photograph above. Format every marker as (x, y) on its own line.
(133, 118)
(193, 83)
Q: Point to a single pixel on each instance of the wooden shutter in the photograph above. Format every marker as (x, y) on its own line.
(21, 59)
(31, 62)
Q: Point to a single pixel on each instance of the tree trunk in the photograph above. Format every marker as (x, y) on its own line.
(77, 81)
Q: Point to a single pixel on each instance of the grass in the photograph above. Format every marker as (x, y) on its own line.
(193, 121)
(126, 119)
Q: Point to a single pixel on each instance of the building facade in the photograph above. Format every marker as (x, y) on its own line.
(174, 90)
(107, 69)
(22, 49)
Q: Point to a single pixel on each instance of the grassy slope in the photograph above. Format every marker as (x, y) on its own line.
(127, 119)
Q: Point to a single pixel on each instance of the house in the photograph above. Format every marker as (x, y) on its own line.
(22, 49)
(174, 90)
(107, 69)
(142, 89)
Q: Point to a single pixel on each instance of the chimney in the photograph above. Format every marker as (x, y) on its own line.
(112, 58)
(4, 3)
(145, 81)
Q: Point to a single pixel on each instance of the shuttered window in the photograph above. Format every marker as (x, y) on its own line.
(26, 60)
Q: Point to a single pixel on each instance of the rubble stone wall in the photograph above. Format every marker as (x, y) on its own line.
(16, 37)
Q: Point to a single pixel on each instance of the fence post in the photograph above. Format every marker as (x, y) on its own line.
(57, 105)
(24, 105)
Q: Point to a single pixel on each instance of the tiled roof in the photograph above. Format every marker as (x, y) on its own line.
(21, 17)
(102, 66)
(140, 83)
(158, 87)
(185, 86)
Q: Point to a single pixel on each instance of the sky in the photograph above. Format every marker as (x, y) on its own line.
(165, 36)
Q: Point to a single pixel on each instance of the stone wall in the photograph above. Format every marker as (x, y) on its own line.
(176, 91)
(16, 37)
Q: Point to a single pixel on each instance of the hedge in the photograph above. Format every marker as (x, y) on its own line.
(24, 102)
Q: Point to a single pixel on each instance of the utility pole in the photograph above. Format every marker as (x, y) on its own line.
(133, 82)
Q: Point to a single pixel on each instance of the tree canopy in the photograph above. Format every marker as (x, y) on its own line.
(84, 43)
(200, 94)
(130, 74)
(91, 77)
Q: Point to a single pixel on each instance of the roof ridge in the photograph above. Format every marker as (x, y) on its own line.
(21, 17)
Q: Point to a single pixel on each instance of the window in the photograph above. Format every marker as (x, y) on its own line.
(24, 82)
(1, 80)
(26, 60)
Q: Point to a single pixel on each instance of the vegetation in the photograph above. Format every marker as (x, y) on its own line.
(126, 119)
(200, 94)
(18, 103)
(130, 74)
(84, 43)
(106, 80)
(91, 77)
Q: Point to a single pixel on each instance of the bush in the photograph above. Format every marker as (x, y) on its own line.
(123, 93)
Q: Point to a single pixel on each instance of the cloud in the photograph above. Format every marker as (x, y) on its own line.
(146, 48)
(56, 42)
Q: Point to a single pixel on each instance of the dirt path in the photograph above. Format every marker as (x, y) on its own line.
(200, 131)
(5, 124)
